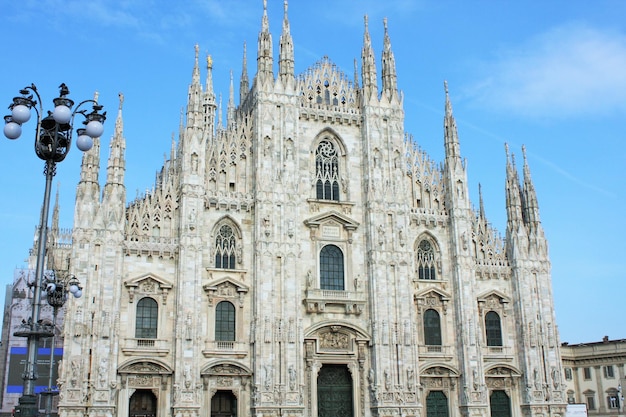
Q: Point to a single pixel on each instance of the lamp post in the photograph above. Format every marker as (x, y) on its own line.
(57, 290)
(53, 137)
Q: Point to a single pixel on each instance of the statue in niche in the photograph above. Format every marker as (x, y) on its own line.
(268, 376)
(239, 250)
(556, 379)
(309, 279)
(73, 372)
(187, 375)
(376, 158)
(194, 163)
(387, 380)
(102, 373)
(292, 378)
(188, 327)
(381, 235)
(475, 383)
(410, 375)
(536, 379)
(372, 377)
(407, 333)
(267, 148)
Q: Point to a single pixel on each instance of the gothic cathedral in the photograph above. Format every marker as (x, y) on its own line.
(306, 259)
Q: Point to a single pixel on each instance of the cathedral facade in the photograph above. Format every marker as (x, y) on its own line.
(306, 258)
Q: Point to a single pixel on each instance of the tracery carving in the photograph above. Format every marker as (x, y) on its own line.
(427, 259)
(324, 84)
(150, 215)
(427, 185)
(327, 171)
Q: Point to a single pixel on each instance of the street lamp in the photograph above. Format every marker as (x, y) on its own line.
(57, 290)
(53, 137)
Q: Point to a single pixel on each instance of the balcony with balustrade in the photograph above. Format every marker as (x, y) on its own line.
(146, 347)
(435, 352)
(321, 301)
(225, 348)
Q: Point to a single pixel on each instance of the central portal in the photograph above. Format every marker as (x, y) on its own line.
(143, 404)
(334, 391)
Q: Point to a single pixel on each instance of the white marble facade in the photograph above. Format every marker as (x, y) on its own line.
(263, 285)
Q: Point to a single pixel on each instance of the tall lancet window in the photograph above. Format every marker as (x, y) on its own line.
(146, 319)
(225, 248)
(331, 268)
(493, 329)
(426, 260)
(327, 171)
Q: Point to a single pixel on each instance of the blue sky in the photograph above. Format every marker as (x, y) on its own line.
(547, 75)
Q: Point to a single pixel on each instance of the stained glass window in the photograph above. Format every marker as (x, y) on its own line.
(225, 248)
(327, 171)
(426, 260)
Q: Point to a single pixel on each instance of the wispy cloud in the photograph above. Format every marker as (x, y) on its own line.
(569, 71)
(149, 19)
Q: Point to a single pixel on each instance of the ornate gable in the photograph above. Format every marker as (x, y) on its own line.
(493, 300)
(331, 225)
(325, 85)
(148, 285)
(225, 289)
(432, 298)
(144, 367)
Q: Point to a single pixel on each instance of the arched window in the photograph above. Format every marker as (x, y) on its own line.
(432, 328)
(225, 322)
(225, 248)
(426, 260)
(493, 329)
(331, 268)
(500, 404)
(437, 404)
(327, 171)
(146, 319)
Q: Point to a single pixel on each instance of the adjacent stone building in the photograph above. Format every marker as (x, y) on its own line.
(594, 375)
(305, 258)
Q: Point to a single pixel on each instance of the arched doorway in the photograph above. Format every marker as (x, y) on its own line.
(499, 404)
(436, 404)
(143, 403)
(334, 392)
(224, 404)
